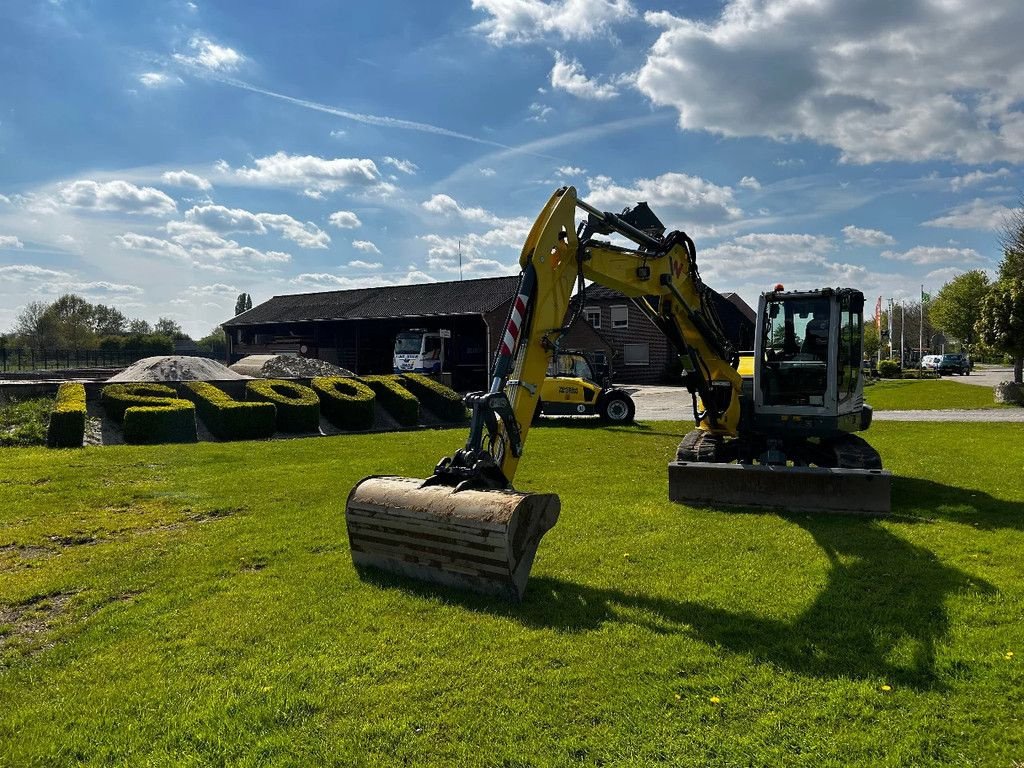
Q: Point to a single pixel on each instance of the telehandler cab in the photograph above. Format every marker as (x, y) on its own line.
(776, 430)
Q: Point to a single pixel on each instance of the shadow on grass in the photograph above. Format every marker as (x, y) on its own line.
(927, 499)
(880, 615)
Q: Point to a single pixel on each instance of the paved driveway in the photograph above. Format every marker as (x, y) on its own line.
(660, 403)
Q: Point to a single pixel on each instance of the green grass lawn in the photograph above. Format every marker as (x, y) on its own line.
(24, 422)
(927, 394)
(196, 605)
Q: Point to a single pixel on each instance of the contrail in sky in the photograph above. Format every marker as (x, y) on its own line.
(379, 120)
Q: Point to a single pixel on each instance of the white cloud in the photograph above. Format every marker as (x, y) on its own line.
(974, 178)
(101, 287)
(488, 172)
(539, 113)
(120, 196)
(875, 81)
(209, 55)
(568, 75)
(214, 289)
(200, 246)
(5, 200)
(523, 21)
(675, 194)
(405, 166)
(186, 179)
(977, 214)
(359, 264)
(31, 272)
(218, 218)
(366, 246)
(923, 254)
(446, 205)
(570, 170)
(314, 173)
(750, 182)
(872, 237)
(159, 79)
(133, 241)
(338, 133)
(943, 275)
(327, 281)
(344, 220)
(10, 241)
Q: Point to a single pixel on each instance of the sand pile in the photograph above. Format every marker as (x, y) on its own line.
(286, 366)
(176, 368)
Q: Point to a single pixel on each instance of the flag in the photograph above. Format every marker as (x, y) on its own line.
(925, 297)
(878, 315)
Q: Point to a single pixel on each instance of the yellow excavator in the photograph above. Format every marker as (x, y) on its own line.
(775, 428)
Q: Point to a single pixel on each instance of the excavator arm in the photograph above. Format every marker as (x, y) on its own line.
(659, 273)
(465, 525)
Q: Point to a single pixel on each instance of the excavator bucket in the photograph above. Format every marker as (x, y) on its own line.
(480, 540)
(812, 489)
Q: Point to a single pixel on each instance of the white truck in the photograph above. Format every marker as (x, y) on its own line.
(420, 351)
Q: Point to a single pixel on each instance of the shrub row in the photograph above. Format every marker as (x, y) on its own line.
(150, 413)
(396, 399)
(445, 402)
(231, 419)
(298, 407)
(67, 419)
(347, 403)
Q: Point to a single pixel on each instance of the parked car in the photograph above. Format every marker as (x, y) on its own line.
(951, 364)
(930, 362)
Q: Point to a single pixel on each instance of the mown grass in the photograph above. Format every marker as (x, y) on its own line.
(24, 422)
(927, 394)
(196, 605)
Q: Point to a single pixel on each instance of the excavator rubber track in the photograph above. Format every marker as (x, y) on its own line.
(479, 540)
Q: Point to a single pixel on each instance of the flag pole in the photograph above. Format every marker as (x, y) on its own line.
(903, 324)
(920, 341)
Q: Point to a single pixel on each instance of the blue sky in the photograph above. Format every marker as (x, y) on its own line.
(165, 156)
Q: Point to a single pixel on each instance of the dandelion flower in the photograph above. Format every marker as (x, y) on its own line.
(678, 697)
(886, 687)
(715, 700)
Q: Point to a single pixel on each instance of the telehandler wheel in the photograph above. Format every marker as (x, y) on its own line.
(618, 408)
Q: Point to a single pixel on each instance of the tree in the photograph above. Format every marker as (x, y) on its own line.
(957, 307)
(35, 327)
(108, 321)
(243, 303)
(1011, 240)
(168, 327)
(1001, 325)
(215, 344)
(139, 328)
(73, 316)
(871, 340)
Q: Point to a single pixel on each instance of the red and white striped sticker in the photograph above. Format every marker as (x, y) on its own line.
(515, 322)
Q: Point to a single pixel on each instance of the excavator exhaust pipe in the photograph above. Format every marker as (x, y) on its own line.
(811, 489)
(479, 540)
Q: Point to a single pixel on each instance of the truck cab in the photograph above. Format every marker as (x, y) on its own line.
(419, 351)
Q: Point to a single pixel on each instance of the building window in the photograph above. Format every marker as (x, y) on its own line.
(620, 316)
(593, 316)
(636, 354)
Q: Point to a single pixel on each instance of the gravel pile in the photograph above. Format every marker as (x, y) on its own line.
(286, 366)
(176, 368)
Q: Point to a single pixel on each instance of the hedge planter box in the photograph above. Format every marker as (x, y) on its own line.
(150, 413)
(396, 399)
(444, 401)
(346, 402)
(298, 407)
(230, 419)
(67, 419)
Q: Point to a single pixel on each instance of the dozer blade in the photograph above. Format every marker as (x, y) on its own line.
(483, 541)
(818, 489)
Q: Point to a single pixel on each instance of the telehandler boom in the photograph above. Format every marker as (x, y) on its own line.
(779, 434)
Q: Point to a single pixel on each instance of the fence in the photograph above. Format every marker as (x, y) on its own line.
(27, 359)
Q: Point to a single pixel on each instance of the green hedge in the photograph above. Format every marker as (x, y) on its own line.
(445, 402)
(298, 407)
(67, 419)
(150, 413)
(231, 419)
(174, 422)
(346, 402)
(889, 369)
(396, 399)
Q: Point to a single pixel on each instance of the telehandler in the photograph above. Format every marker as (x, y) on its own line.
(571, 388)
(774, 430)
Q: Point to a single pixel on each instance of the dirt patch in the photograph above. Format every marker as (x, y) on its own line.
(26, 624)
(217, 514)
(74, 540)
(176, 368)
